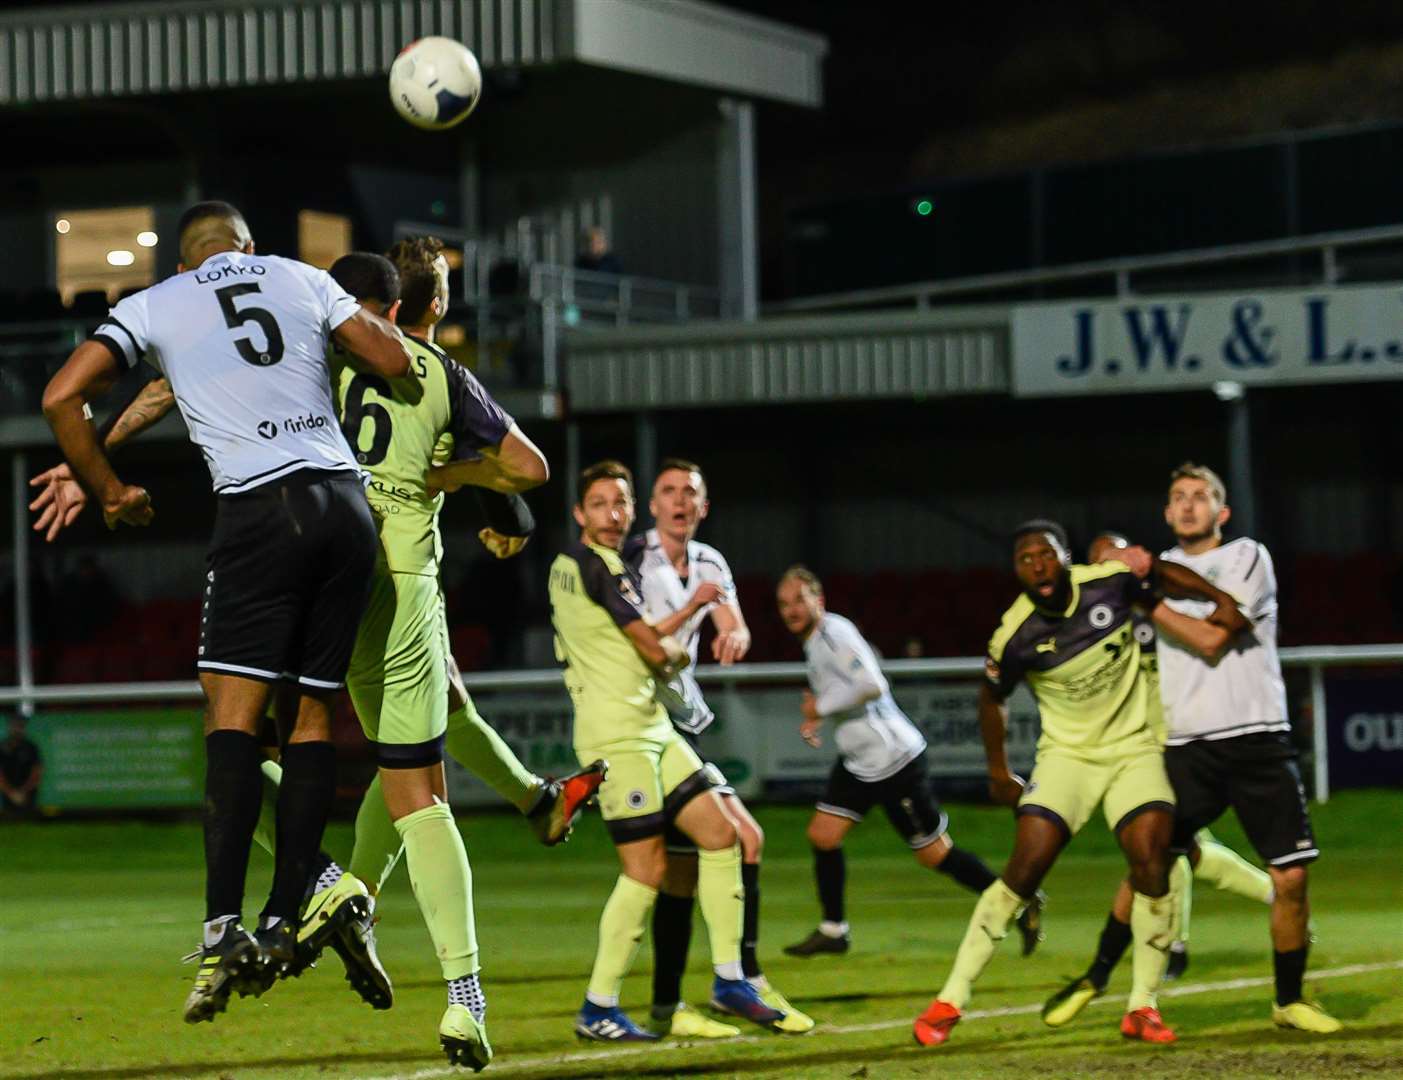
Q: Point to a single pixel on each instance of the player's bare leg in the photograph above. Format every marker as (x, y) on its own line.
(1290, 938)
(826, 832)
(1145, 841)
(228, 956)
(1037, 843)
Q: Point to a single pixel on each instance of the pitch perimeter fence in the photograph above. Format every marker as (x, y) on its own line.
(140, 745)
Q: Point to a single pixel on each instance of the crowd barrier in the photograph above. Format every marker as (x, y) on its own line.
(139, 744)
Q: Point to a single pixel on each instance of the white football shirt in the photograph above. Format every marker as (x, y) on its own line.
(664, 594)
(1243, 692)
(242, 341)
(875, 738)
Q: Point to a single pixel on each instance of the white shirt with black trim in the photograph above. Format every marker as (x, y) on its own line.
(242, 341)
(874, 737)
(1243, 692)
(664, 594)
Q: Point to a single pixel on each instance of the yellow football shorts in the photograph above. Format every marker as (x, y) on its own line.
(1066, 787)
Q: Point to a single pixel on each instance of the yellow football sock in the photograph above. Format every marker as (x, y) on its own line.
(1227, 870)
(265, 834)
(1152, 925)
(722, 901)
(443, 886)
(1181, 888)
(378, 843)
(997, 906)
(472, 743)
(620, 930)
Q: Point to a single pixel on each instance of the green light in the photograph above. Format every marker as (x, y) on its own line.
(924, 207)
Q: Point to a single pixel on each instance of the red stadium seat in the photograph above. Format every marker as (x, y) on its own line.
(471, 646)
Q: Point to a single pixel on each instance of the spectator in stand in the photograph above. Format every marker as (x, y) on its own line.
(21, 769)
(88, 600)
(596, 254)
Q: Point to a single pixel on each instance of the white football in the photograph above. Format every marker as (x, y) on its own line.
(435, 82)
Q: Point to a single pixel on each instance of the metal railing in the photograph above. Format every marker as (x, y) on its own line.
(1117, 274)
(1315, 659)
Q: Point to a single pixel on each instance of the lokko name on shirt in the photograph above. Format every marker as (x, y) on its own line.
(219, 273)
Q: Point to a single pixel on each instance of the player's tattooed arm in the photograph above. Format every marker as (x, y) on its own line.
(89, 372)
(152, 402)
(1004, 786)
(61, 498)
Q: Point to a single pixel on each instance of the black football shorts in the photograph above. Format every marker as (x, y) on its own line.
(287, 579)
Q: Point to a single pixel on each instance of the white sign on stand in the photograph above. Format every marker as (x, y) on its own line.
(1158, 343)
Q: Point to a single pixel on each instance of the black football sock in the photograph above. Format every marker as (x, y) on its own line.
(233, 798)
(830, 868)
(750, 926)
(672, 937)
(1115, 939)
(304, 803)
(1290, 971)
(968, 869)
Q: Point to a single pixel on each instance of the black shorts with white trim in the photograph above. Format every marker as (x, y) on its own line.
(1259, 777)
(906, 796)
(287, 579)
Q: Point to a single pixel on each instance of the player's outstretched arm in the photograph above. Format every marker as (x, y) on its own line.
(732, 640)
(61, 498)
(376, 347)
(1004, 786)
(89, 372)
(514, 465)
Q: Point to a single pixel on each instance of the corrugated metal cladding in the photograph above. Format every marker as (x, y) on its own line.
(761, 363)
(180, 47)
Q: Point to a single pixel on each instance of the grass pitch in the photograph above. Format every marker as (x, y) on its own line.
(94, 919)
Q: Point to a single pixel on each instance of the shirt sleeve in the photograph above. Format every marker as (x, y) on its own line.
(615, 593)
(853, 677)
(336, 303)
(720, 571)
(475, 420)
(1002, 671)
(1258, 594)
(126, 329)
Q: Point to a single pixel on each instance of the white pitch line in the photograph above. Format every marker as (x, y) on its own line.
(518, 1064)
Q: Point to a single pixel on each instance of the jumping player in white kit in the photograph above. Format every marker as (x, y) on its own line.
(242, 340)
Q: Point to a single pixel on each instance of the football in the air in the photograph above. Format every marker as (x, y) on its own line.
(435, 82)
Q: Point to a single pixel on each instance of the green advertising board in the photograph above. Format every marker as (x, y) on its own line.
(121, 759)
